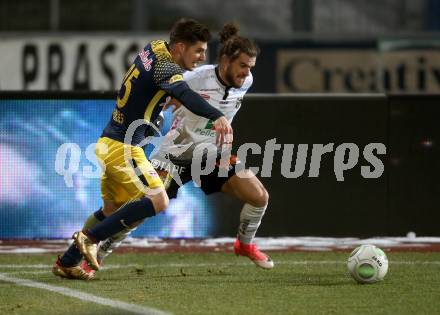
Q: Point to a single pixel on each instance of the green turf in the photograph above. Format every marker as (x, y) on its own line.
(220, 283)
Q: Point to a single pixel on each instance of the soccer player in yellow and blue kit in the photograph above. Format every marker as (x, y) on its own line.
(129, 182)
(223, 85)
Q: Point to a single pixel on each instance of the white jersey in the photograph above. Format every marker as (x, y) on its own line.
(188, 129)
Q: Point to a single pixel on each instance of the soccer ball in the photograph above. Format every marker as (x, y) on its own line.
(367, 264)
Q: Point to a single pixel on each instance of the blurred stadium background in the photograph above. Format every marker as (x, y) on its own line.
(331, 72)
(370, 71)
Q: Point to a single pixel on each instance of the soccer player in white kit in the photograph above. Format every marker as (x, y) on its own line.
(223, 86)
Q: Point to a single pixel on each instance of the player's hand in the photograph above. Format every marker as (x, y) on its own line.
(224, 132)
(173, 102)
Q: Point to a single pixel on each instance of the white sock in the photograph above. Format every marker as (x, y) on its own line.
(107, 246)
(250, 220)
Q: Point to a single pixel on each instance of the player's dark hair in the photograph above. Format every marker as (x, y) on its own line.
(189, 31)
(232, 44)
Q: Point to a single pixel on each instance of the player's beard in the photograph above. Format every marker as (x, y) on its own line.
(229, 76)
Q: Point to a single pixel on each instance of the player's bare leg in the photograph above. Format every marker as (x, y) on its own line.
(246, 187)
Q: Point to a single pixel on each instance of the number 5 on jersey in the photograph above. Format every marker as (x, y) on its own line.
(133, 72)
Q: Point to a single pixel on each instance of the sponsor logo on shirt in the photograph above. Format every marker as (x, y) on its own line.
(208, 130)
(205, 132)
(210, 125)
(146, 62)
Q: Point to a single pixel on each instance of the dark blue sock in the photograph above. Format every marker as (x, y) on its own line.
(99, 215)
(72, 256)
(126, 215)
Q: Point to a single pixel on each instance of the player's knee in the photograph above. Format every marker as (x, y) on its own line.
(260, 197)
(265, 196)
(160, 201)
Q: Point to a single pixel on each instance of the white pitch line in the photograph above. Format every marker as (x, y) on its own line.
(36, 266)
(226, 264)
(34, 272)
(132, 308)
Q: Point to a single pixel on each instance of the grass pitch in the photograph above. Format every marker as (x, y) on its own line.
(220, 283)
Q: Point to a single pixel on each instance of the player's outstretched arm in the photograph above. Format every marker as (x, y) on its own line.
(196, 104)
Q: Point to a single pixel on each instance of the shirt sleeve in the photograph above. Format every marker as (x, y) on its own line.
(169, 77)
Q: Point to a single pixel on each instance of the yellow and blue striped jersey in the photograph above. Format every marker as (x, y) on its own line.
(150, 82)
